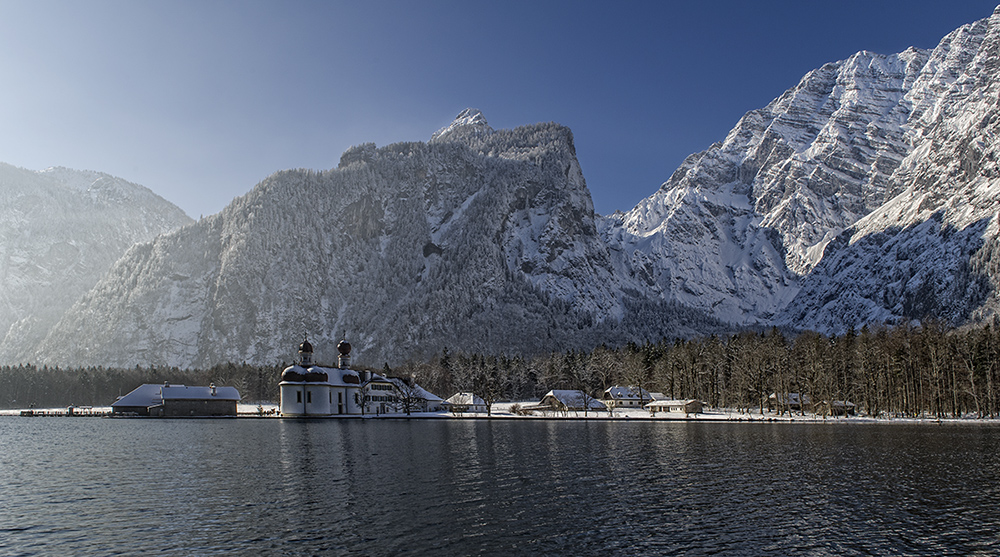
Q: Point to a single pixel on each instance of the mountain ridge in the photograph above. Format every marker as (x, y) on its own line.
(407, 249)
(865, 194)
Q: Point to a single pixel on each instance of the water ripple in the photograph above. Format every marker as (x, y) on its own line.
(469, 487)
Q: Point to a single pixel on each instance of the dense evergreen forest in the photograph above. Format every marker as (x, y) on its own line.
(25, 386)
(903, 371)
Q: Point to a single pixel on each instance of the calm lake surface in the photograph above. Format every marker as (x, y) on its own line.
(73, 486)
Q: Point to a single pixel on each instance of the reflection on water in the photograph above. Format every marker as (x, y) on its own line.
(457, 487)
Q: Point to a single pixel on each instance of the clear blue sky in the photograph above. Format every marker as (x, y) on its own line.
(200, 100)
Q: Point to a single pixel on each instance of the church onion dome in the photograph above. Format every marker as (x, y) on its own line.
(314, 376)
(306, 347)
(293, 374)
(344, 348)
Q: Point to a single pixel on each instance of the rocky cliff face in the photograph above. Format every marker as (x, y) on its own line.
(737, 225)
(60, 230)
(867, 193)
(931, 249)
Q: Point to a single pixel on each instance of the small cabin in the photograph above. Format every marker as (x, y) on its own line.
(565, 400)
(792, 402)
(466, 402)
(688, 406)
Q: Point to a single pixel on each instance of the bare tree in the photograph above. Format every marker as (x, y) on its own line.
(408, 393)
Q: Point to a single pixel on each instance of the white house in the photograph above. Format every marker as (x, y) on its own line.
(379, 395)
(688, 406)
(388, 395)
(625, 397)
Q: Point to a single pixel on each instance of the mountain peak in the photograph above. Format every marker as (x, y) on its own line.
(469, 122)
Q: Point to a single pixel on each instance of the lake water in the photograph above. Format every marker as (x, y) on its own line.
(74, 486)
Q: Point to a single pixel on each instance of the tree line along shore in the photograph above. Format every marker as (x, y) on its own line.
(903, 371)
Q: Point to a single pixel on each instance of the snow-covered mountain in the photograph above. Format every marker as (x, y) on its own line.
(933, 247)
(479, 239)
(867, 193)
(60, 231)
(736, 225)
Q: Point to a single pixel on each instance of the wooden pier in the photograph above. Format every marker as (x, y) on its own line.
(70, 412)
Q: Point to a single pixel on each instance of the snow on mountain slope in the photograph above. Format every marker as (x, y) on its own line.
(60, 230)
(480, 239)
(735, 225)
(866, 193)
(932, 250)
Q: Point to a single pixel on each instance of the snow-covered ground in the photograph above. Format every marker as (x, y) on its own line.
(502, 410)
(77, 411)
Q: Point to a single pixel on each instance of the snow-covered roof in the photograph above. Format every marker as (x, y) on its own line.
(672, 403)
(427, 395)
(183, 392)
(142, 396)
(790, 398)
(343, 377)
(468, 399)
(840, 404)
(337, 377)
(152, 394)
(377, 378)
(574, 399)
(626, 393)
(418, 391)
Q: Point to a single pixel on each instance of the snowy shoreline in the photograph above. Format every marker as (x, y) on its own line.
(501, 411)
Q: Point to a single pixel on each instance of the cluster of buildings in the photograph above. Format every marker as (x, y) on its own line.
(798, 402)
(616, 397)
(308, 389)
(311, 390)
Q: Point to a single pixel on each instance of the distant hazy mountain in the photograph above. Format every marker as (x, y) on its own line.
(60, 231)
(867, 193)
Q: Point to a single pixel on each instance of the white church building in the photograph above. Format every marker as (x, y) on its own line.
(311, 390)
(308, 389)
